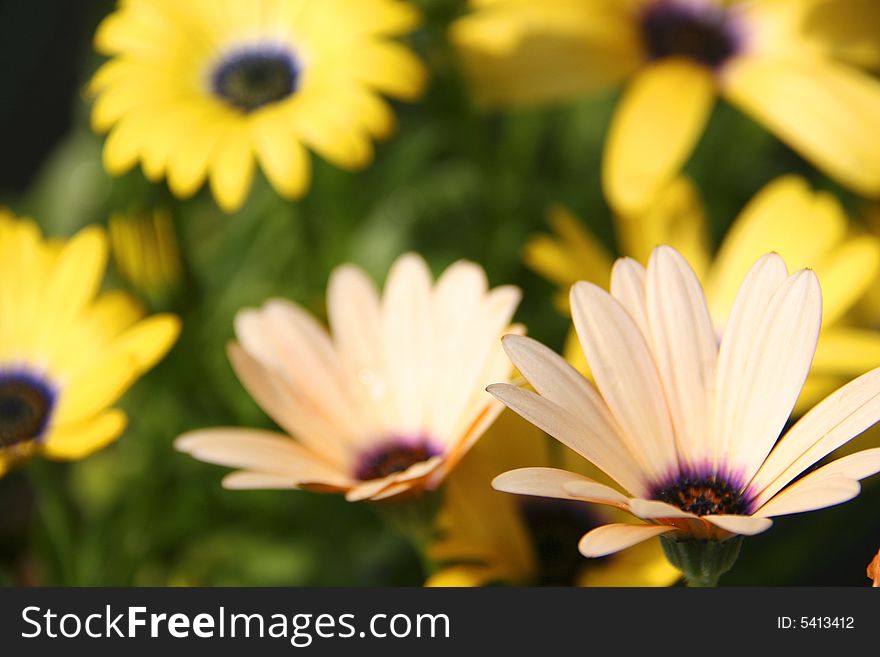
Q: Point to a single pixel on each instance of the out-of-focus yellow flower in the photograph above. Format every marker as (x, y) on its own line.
(145, 251)
(202, 89)
(874, 570)
(67, 351)
(808, 229)
(487, 536)
(793, 65)
(383, 405)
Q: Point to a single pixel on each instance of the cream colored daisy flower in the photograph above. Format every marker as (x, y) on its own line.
(385, 403)
(685, 423)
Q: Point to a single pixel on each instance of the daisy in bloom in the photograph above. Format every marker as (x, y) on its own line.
(202, 89)
(386, 403)
(686, 424)
(67, 351)
(488, 537)
(795, 66)
(847, 263)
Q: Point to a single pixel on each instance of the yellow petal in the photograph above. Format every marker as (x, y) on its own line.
(676, 218)
(80, 441)
(775, 220)
(95, 388)
(73, 282)
(846, 274)
(847, 29)
(847, 352)
(149, 340)
(654, 130)
(232, 168)
(517, 53)
(825, 111)
(575, 255)
(642, 565)
(282, 156)
(464, 575)
(188, 163)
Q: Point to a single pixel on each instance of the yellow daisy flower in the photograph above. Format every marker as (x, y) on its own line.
(488, 537)
(807, 228)
(385, 404)
(688, 423)
(792, 65)
(145, 251)
(67, 351)
(202, 89)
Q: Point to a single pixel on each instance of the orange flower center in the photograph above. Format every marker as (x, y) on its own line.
(394, 456)
(703, 496)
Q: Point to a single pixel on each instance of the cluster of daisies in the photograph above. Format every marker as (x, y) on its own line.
(670, 400)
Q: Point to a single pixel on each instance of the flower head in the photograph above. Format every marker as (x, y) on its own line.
(688, 425)
(67, 351)
(387, 403)
(487, 537)
(792, 65)
(198, 90)
(846, 262)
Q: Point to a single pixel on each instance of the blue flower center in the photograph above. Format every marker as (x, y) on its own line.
(396, 455)
(251, 79)
(25, 407)
(704, 34)
(703, 496)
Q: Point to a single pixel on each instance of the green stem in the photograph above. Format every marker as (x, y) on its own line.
(55, 517)
(702, 562)
(415, 519)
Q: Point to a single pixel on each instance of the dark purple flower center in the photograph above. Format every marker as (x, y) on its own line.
(250, 79)
(703, 495)
(25, 407)
(556, 526)
(705, 34)
(396, 455)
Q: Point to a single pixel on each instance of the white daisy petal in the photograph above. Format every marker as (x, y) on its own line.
(321, 434)
(626, 375)
(246, 480)
(609, 539)
(740, 338)
(810, 495)
(840, 417)
(628, 287)
(355, 320)
(685, 350)
(768, 381)
(560, 484)
(262, 451)
(744, 525)
(603, 452)
(655, 510)
(409, 340)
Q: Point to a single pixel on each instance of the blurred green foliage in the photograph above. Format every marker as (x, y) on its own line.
(452, 183)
